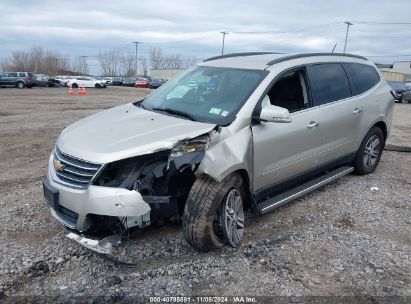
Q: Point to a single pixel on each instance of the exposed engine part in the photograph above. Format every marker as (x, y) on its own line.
(163, 179)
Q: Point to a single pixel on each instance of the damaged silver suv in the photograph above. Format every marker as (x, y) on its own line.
(235, 132)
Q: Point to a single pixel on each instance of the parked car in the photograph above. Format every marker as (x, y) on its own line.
(63, 79)
(117, 81)
(270, 129)
(88, 82)
(156, 83)
(399, 89)
(141, 83)
(129, 81)
(54, 83)
(40, 80)
(16, 79)
(406, 96)
(108, 80)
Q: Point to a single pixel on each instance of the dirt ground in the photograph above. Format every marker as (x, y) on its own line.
(343, 240)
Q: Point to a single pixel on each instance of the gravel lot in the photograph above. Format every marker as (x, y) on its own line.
(342, 240)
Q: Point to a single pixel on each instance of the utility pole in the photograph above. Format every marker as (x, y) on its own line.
(137, 43)
(84, 68)
(346, 34)
(223, 33)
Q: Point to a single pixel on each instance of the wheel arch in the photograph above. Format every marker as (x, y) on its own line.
(247, 186)
(381, 124)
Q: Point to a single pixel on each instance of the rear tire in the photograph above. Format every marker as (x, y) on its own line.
(369, 154)
(74, 85)
(20, 85)
(203, 220)
(97, 86)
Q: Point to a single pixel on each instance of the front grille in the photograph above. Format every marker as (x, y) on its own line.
(76, 173)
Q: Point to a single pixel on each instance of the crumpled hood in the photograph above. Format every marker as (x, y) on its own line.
(126, 131)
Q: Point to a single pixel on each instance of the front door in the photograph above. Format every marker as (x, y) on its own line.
(284, 150)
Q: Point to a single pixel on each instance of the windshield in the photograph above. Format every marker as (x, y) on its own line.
(206, 94)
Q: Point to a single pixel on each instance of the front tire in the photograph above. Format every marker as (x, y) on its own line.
(369, 154)
(214, 213)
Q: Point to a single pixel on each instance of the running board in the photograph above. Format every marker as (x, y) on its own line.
(285, 197)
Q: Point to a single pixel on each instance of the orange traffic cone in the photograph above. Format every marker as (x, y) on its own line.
(71, 91)
(79, 90)
(84, 90)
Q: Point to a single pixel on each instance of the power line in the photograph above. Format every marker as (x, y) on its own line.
(388, 56)
(290, 30)
(381, 23)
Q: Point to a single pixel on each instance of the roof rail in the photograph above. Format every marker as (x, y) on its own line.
(289, 57)
(239, 55)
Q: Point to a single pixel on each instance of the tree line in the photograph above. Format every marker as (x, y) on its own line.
(113, 62)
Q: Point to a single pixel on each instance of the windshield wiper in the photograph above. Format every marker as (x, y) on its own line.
(175, 112)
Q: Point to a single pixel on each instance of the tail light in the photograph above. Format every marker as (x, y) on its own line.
(28, 78)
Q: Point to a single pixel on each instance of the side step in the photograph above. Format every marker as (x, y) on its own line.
(285, 197)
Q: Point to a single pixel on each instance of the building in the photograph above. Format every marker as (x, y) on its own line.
(399, 71)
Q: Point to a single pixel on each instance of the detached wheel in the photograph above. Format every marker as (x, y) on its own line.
(369, 154)
(214, 213)
(20, 85)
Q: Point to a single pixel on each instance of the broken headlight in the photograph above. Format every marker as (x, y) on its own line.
(197, 144)
(125, 173)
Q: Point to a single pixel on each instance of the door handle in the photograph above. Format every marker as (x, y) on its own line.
(313, 124)
(357, 110)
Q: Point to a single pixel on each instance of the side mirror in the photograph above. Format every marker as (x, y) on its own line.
(275, 114)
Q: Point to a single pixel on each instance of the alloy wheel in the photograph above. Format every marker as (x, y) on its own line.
(372, 151)
(232, 218)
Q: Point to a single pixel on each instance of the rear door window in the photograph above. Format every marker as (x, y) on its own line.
(22, 74)
(362, 77)
(328, 82)
(12, 74)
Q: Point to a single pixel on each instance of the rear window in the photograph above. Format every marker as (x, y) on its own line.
(328, 82)
(363, 77)
(31, 75)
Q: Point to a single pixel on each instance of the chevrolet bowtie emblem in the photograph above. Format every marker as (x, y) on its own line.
(58, 166)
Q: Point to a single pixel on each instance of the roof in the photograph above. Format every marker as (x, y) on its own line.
(261, 61)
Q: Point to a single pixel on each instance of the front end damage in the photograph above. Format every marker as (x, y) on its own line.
(133, 192)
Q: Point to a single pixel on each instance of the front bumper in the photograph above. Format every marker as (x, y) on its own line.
(74, 205)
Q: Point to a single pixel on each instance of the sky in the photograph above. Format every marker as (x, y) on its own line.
(190, 27)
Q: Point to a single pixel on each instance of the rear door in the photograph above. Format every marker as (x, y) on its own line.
(339, 115)
(364, 79)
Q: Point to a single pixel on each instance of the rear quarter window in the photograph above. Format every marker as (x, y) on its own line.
(22, 74)
(362, 77)
(328, 83)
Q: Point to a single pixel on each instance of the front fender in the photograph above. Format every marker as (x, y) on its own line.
(233, 153)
